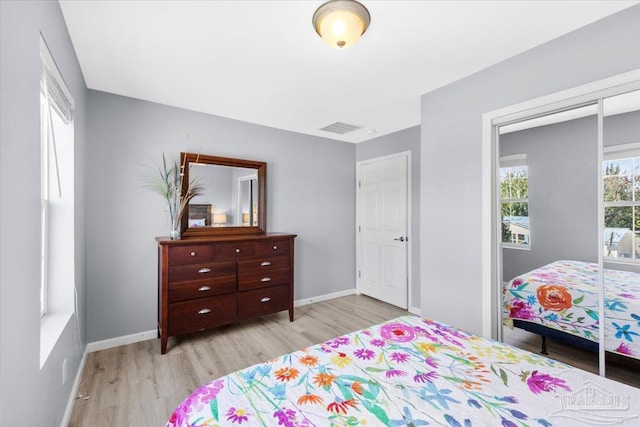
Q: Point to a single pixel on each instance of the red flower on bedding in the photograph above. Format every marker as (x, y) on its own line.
(397, 332)
(520, 310)
(554, 297)
(341, 407)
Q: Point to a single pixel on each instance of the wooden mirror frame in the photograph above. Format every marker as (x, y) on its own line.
(186, 159)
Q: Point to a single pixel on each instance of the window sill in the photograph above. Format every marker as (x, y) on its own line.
(625, 261)
(518, 247)
(51, 327)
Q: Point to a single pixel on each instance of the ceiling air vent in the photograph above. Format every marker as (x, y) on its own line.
(341, 128)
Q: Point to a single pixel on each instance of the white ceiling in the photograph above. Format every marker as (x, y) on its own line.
(262, 62)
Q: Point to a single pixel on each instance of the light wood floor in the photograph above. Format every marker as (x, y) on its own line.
(133, 385)
(620, 368)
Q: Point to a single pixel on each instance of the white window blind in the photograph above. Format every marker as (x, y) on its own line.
(513, 161)
(622, 151)
(53, 86)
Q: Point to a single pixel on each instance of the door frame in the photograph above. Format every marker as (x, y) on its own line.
(491, 254)
(407, 156)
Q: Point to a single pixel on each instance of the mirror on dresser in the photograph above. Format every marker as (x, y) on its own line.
(233, 200)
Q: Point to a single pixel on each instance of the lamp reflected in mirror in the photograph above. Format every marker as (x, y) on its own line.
(219, 219)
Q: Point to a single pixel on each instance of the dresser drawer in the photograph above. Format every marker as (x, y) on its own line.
(190, 254)
(203, 313)
(215, 285)
(262, 280)
(274, 298)
(187, 272)
(235, 250)
(272, 247)
(262, 265)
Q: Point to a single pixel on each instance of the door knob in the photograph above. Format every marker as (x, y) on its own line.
(401, 238)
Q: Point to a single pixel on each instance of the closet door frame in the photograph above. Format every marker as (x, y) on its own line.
(568, 99)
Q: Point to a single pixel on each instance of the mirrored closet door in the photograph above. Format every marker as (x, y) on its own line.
(621, 245)
(548, 178)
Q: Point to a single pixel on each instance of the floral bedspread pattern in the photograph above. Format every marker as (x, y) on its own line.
(564, 295)
(405, 372)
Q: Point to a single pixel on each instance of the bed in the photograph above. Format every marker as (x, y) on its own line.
(409, 371)
(199, 215)
(560, 300)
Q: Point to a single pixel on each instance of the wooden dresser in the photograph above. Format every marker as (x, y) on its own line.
(213, 281)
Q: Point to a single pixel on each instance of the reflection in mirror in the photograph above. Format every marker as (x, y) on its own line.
(233, 200)
(229, 193)
(247, 212)
(621, 199)
(548, 177)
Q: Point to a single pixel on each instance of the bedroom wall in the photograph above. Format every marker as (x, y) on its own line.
(451, 135)
(563, 188)
(31, 396)
(310, 186)
(398, 142)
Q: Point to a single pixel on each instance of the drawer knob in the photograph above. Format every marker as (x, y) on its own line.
(265, 263)
(204, 311)
(275, 247)
(237, 250)
(204, 270)
(192, 254)
(204, 288)
(265, 279)
(265, 299)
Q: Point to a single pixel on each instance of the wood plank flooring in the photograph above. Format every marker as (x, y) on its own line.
(133, 385)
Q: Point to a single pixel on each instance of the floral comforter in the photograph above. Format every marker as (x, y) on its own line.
(408, 372)
(564, 296)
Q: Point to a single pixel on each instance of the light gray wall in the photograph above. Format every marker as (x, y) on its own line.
(310, 192)
(29, 395)
(451, 152)
(622, 128)
(563, 194)
(398, 142)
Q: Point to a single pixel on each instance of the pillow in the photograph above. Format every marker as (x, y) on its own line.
(196, 222)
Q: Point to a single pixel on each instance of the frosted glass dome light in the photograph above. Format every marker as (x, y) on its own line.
(340, 23)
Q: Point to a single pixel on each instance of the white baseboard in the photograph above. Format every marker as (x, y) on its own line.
(325, 297)
(153, 334)
(124, 340)
(74, 391)
(149, 335)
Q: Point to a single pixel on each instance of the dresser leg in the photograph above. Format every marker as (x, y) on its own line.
(291, 314)
(163, 345)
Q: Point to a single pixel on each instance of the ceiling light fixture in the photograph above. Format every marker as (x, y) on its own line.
(340, 23)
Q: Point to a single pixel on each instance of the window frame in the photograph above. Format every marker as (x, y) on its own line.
(513, 161)
(623, 152)
(58, 302)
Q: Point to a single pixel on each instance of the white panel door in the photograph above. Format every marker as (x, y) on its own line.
(382, 229)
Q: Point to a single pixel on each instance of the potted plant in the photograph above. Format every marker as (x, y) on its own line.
(168, 182)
